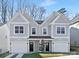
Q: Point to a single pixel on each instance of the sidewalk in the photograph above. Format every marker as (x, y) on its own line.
(19, 55)
(65, 57)
(72, 56)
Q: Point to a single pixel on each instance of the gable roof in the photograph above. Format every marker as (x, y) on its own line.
(50, 18)
(20, 15)
(30, 19)
(25, 16)
(75, 20)
(61, 18)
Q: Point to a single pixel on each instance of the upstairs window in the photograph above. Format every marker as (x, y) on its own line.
(19, 29)
(33, 30)
(60, 30)
(16, 29)
(44, 31)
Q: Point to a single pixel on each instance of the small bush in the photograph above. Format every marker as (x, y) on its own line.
(4, 54)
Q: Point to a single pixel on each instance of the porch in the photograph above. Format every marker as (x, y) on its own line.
(40, 45)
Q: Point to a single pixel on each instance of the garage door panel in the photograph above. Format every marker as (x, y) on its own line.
(60, 47)
(18, 47)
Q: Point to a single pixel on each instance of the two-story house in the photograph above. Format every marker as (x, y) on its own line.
(27, 35)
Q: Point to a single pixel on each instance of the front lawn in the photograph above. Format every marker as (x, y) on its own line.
(4, 54)
(42, 55)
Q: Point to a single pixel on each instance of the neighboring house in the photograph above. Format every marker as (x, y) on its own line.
(27, 35)
(4, 40)
(74, 31)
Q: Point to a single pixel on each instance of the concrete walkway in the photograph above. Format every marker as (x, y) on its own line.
(19, 55)
(72, 56)
(9, 56)
(65, 57)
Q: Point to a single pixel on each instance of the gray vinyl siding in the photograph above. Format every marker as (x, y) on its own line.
(62, 19)
(49, 30)
(32, 25)
(19, 18)
(58, 35)
(39, 28)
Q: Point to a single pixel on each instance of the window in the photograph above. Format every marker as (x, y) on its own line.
(33, 30)
(16, 29)
(44, 31)
(60, 30)
(19, 29)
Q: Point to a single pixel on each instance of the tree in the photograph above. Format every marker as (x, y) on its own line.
(62, 10)
(42, 11)
(37, 12)
(7, 9)
(22, 5)
(19, 5)
(4, 4)
(11, 9)
(33, 11)
(77, 14)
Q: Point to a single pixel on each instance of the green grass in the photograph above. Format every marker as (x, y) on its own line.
(42, 55)
(4, 54)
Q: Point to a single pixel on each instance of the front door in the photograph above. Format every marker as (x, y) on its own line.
(44, 47)
(31, 46)
(47, 46)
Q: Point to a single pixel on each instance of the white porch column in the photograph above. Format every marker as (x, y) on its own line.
(52, 46)
(39, 41)
(39, 45)
(27, 43)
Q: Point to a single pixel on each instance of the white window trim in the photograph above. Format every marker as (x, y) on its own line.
(31, 31)
(60, 33)
(46, 31)
(19, 25)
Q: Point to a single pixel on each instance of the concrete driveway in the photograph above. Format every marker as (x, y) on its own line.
(66, 57)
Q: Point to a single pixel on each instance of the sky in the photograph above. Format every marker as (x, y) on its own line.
(72, 6)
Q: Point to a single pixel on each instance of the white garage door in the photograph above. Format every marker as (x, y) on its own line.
(61, 46)
(18, 47)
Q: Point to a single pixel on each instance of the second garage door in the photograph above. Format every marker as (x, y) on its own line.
(61, 46)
